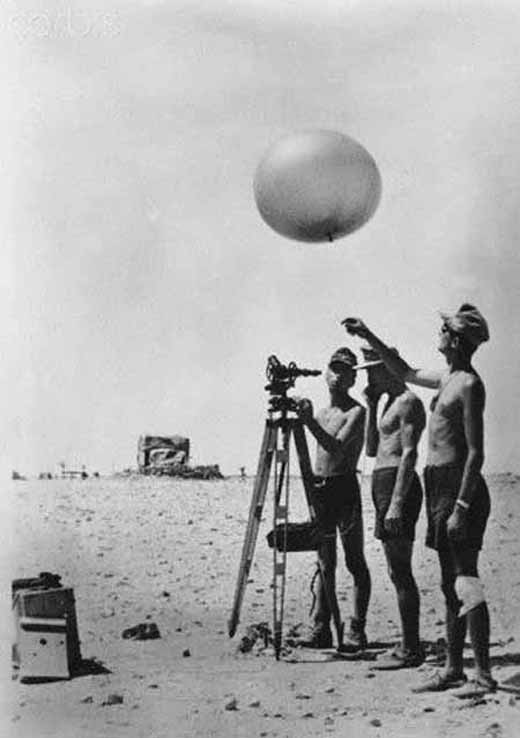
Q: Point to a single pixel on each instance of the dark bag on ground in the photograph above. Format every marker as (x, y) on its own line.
(299, 537)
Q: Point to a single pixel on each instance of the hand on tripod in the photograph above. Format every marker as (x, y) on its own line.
(303, 408)
(280, 427)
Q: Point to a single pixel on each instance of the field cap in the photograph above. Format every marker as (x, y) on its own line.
(344, 356)
(468, 322)
(372, 357)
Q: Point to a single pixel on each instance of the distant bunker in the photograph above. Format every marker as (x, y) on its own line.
(169, 456)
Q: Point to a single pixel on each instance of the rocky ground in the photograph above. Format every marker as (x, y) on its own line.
(166, 551)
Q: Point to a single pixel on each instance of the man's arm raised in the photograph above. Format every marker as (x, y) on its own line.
(396, 364)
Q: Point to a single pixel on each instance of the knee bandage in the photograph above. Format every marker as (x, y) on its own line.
(470, 592)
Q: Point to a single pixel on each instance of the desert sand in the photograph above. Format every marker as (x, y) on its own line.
(167, 551)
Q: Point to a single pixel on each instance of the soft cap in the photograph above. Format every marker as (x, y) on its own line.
(345, 356)
(469, 322)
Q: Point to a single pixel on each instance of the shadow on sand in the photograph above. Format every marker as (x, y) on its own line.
(86, 667)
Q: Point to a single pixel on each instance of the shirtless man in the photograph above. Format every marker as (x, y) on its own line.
(397, 494)
(457, 498)
(339, 431)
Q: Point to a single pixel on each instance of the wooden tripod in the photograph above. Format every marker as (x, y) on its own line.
(280, 426)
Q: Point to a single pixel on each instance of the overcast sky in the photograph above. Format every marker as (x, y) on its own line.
(142, 292)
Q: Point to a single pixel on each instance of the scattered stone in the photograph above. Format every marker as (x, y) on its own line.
(376, 723)
(186, 653)
(330, 690)
(232, 705)
(429, 709)
(255, 632)
(493, 731)
(308, 715)
(475, 702)
(87, 700)
(113, 699)
(153, 686)
(142, 632)
(302, 696)
(256, 703)
(369, 675)
(166, 593)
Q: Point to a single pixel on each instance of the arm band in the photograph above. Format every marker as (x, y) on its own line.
(463, 504)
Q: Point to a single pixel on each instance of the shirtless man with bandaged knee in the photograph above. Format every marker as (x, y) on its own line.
(457, 498)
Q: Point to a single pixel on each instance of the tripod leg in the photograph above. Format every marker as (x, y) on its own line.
(280, 517)
(255, 513)
(304, 459)
(302, 450)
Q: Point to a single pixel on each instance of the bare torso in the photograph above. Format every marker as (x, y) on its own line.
(446, 432)
(406, 407)
(333, 420)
